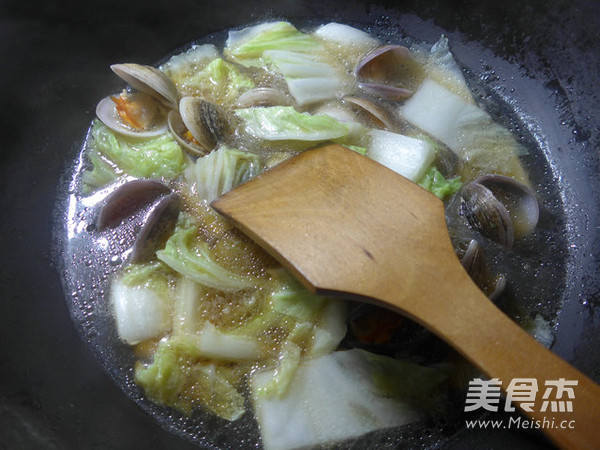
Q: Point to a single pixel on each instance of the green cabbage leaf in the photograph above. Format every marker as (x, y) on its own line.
(284, 123)
(186, 254)
(175, 378)
(159, 157)
(247, 46)
(437, 184)
(220, 81)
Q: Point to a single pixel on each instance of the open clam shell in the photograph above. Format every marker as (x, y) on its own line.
(486, 214)
(150, 80)
(520, 202)
(206, 121)
(107, 112)
(390, 72)
(385, 91)
(379, 116)
(179, 130)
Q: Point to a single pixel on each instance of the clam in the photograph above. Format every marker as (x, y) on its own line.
(127, 199)
(520, 202)
(375, 112)
(476, 265)
(183, 137)
(389, 72)
(385, 91)
(157, 227)
(206, 122)
(486, 214)
(264, 96)
(446, 161)
(149, 80)
(132, 114)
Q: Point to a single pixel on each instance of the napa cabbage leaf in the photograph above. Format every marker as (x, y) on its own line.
(141, 300)
(176, 378)
(437, 184)
(351, 42)
(220, 171)
(183, 67)
(159, 157)
(188, 255)
(341, 395)
(284, 123)
(312, 73)
(102, 171)
(247, 46)
(466, 129)
(312, 325)
(219, 81)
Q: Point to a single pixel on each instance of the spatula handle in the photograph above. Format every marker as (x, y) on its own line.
(566, 403)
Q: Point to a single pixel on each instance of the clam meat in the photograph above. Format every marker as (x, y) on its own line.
(132, 114)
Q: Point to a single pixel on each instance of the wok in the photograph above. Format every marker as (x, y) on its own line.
(541, 60)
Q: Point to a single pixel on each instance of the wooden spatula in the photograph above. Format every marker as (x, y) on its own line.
(347, 226)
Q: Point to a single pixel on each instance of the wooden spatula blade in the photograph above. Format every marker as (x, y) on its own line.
(341, 221)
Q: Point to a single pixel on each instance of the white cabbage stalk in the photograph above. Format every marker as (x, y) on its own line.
(466, 129)
(442, 114)
(407, 156)
(192, 258)
(310, 77)
(443, 68)
(186, 306)
(330, 330)
(331, 398)
(140, 313)
(212, 343)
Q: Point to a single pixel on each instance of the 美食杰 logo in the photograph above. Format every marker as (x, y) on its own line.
(555, 396)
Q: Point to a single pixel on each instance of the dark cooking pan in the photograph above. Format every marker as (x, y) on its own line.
(538, 61)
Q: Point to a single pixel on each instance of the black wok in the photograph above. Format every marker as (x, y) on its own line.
(54, 61)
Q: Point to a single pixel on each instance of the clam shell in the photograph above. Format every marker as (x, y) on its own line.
(127, 199)
(150, 80)
(264, 96)
(391, 66)
(106, 111)
(520, 202)
(157, 227)
(178, 129)
(206, 121)
(475, 263)
(486, 214)
(386, 91)
(376, 113)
